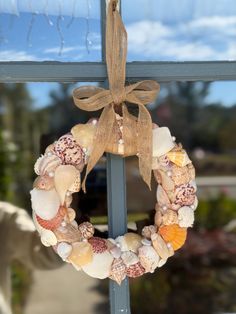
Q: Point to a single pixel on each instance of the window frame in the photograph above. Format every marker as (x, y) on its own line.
(67, 72)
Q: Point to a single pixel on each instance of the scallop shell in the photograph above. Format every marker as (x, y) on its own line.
(81, 254)
(68, 233)
(149, 258)
(99, 245)
(46, 164)
(182, 175)
(129, 242)
(44, 183)
(84, 135)
(48, 238)
(135, 270)
(118, 270)
(45, 203)
(160, 246)
(173, 234)
(64, 177)
(54, 222)
(63, 250)
(162, 141)
(169, 217)
(69, 151)
(147, 231)
(86, 229)
(180, 158)
(129, 258)
(186, 216)
(100, 267)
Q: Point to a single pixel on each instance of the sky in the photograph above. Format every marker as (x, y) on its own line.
(158, 30)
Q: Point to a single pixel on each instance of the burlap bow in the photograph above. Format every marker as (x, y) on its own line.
(92, 98)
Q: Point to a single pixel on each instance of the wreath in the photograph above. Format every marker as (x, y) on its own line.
(118, 132)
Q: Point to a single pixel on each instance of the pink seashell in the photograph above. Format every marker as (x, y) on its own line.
(44, 183)
(135, 270)
(99, 245)
(86, 229)
(52, 223)
(118, 270)
(184, 196)
(46, 164)
(69, 151)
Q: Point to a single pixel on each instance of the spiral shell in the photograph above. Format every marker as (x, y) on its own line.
(173, 234)
(118, 270)
(135, 270)
(46, 164)
(86, 229)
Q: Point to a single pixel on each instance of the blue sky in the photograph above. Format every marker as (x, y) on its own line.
(69, 30)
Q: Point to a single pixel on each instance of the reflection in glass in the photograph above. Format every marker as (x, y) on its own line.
(50, 30)
(161, 30)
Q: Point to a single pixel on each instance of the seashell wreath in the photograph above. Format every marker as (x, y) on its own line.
(59, 176)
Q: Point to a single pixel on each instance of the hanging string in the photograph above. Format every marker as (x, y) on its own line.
(72, 14)
(87, 41)
(60, 18)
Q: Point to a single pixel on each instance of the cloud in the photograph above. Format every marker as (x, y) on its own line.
(13, 55)
(211, 38)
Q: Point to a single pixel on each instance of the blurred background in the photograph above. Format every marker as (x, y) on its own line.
(201, 115)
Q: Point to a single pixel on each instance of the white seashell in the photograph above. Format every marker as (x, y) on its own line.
(115, 251)
(149, 258)
(64, 178)
(146, 242)
(46, 164)
(195, 203)
(122, 243)
(45, 203)
(162, 262)
(48, 238)
(162, 141)
(129, 258)
(186, 217)
(63, 250)
(100, 266)
(129, 242)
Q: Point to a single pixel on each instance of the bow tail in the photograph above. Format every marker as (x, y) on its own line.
(145, 144)
(103, 133)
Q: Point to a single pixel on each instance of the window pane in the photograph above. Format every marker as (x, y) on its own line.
(50, 30)
(202, 116)
(160, 30)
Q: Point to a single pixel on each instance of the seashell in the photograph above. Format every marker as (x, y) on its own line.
(147, 231)
(70, 215)
(115, 251)
(75, 187)
(162, 262)
(173, 234)
(164, 179)
(149, 258)
(162, 197)
(182, 175)
(44, 183)
(186, 217)
(129, 242)
(63, 250)
(162, 141)
(84, 135)
(184, 195)
(100, 267)
(48, 238)
(69, 151)
(129, 258)
(180, 158)
(81, 254)
(158, 218)
(45, 203)
(135, 270)
(64, 177)
(195, 204)
(68, 200)
(118, 270)
(50, 149)
(146, 242)
(160, 246)
(86, 229)
(68, 233)
(46, 164)
(99, 245)
(169, 217)
(54, 222)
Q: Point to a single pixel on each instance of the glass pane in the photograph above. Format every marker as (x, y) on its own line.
(50, 30)
(202, 116)
(160, 30)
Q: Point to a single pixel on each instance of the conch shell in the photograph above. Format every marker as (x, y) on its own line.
(162, 141)
(86, 229)
(173, 234)
(64, 178)
(45, 203)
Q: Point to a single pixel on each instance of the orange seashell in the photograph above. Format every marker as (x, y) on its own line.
(52, 223)
(180, 158)
(173, 234)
